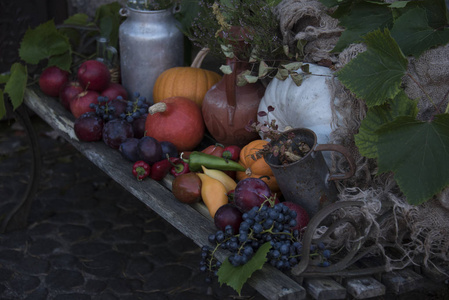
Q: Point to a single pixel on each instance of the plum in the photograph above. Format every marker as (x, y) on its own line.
(149, 149)
(128, 149)
(302, 218)
(116, 131)
(228, 214)
(89, 127)
(168, 148)
(251, 192)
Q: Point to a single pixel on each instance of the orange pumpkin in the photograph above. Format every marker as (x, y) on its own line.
(256, 168)
(189, 82)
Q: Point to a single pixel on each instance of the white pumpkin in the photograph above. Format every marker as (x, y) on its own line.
(306, 106)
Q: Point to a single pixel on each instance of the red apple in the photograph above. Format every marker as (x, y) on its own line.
(94, 75)
(114, 90)
(52, 79)
(68, 92)
(81, 103)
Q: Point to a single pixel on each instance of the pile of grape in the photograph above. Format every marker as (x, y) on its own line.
(268, 223)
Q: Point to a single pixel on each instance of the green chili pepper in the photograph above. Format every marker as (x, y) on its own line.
(198, 159)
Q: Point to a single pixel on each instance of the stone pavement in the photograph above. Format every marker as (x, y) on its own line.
(88, 238)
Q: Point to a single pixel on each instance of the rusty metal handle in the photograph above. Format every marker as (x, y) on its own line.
(346, 154)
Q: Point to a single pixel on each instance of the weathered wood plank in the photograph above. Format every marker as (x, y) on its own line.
(195, 224)
(365, 287)
(324, 288)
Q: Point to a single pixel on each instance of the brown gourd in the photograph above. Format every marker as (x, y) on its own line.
(189, 82)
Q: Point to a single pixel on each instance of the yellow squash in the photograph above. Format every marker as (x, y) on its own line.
(213, 193)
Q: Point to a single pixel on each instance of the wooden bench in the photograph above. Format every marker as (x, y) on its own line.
(195, 223)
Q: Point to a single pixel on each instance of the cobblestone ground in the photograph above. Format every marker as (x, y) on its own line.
(87, 238)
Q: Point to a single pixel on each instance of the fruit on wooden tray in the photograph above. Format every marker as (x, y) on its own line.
(168, 149)
(302, 218)
(251, 192)
(228, 214)
(177, 120)
(256, 168)
(52, 79)
(213, 193)
(68, 92)
(188, 82)
(139, 126)
(221, 176)
(187, 188)
(149, 150)
(94, 75)
(128, 149)
(82, 103)
(116, 132)
(114, 90)
(89, 127)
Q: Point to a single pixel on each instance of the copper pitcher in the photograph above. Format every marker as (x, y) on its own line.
(227, 108)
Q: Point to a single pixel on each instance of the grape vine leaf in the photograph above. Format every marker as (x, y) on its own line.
(15, 87)
(367, 138)
(376, 74)
(418, 154)
(236, 277)
(414, 35)
(363, 17)
(43, 42)
(109, 19)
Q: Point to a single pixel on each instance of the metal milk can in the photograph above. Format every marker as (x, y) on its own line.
(150, 42)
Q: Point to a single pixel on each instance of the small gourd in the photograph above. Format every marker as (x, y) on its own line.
(256, 168)
(177, 120)
(189, 82)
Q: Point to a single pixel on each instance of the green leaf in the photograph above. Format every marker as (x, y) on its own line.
(226, 69)
(417, 152)
(293, 66)
(398, 4)
(77, 20)
(4, 78)
(367, 138)
(376, 74)
(281, 74)
(363, 18)
(63, 61)
(263, 69)
(15, 87)
(236, 277)
(297, 78)
(414, 35)
(43, 42)
(108, 19)
(2, 105)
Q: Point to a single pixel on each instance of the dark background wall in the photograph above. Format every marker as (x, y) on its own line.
(16, 16)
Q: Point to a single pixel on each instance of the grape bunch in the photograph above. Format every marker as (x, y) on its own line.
(135, 108)
(271, 223)
(104, 109)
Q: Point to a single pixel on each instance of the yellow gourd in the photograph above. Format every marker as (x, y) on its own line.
(213, 193)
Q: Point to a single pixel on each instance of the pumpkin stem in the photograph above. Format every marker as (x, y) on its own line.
(199, 58)
(157, 107)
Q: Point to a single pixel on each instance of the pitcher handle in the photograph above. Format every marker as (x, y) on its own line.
(346, 154)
